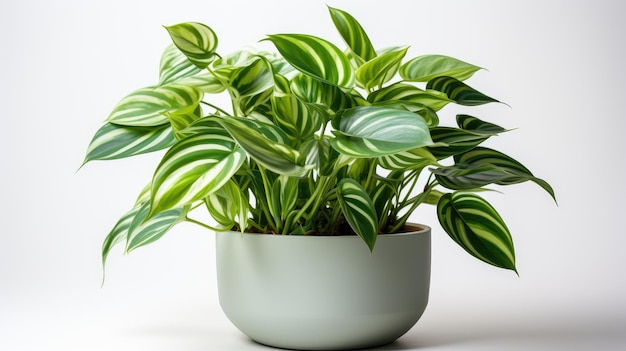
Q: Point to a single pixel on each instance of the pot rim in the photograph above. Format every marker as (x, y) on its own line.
(410, 229)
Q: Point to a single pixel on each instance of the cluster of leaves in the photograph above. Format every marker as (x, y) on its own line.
(317, 141)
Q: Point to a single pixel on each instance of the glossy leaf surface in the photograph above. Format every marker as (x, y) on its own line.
(353, 34)
(426, 67)
(196, 40)
(358, 210)
(458, 91)
(477, 227)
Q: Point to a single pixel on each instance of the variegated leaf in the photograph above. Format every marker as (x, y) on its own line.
(358, 210)
(180, 121)
(477, 227)
(403, 92)
(408, 160)
(146, 107)
(424, 68)
(119, 232)
(266, 144)
(228, 205)
(452, 141)
(316, 57)
(380, 70)
(196, 40)
(459, 92)
(175, 65)
(478, 126)
(251, 79)
(369, 131)
(514, 171)
(143, 230)
(317, 92)
(193, 168)
(467, 176)
(353, 34)
(112, 141)
(296, 117)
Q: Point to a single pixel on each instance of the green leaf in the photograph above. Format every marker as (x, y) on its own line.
(452, 141)
(112, 141)
(315, 57)
(427, 67)
(408, 160)
(194, 168)
(458, 91)
(119, 232)
(181, 120)
(514, 171)
(369, 131)
(381, 69)
(478, 126)
(252, 79)
(175, 65)
(314, 91)
(288, 189)
(146, 107)
(228, 205)
(353, 34)
(144, 230)
(404, 92)
(266, 144)
(463, 176)
(296, 117)
(196, 40)
(476, 226)
(358, 210)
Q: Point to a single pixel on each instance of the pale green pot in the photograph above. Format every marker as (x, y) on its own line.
(323, 292)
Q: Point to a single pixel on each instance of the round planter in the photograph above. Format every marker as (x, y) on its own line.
(323, 292)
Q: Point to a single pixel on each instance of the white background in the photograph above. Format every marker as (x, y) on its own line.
(64, 65)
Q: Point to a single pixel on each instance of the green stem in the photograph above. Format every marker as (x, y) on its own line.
(204, 225)
(215, 107)
(268, 198)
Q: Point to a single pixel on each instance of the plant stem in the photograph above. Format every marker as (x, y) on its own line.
(191, 220)
(215, 107)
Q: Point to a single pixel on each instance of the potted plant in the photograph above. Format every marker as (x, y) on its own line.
(311, 175)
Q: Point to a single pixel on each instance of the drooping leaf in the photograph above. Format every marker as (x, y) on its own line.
(403, 92)
(424, 68)
(515, 171)
(463, 176)
(353, 34)
(196, 40)
(358, 210)
(458, 91)
(119, 232)
(146, 107)
(368, 131)
(477, 227)
(315, 57)
(452, 141)
(379, 70)
(112, 141)
(193, 168)
(143, 230)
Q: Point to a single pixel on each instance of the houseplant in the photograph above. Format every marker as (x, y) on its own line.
(317, 142)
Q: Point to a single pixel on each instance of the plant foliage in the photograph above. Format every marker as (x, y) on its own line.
(318, 140)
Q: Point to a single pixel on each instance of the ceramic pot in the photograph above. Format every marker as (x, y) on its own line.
(323, 292)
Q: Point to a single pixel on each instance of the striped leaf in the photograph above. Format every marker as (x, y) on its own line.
(353, 34)
(458, 91)
(317, 92)
(203, 81)
(463, 176)
(196, 41)
(119, 232)
(358, 210)
(146, 107)
(454, 140)
(112, 141)
(296, 117)
(433, 99)
(370, 131)
(514, 171)
(478, 126)
(408, 160)
(266, 144)
(316, 57)
(252, 79)
(194, 168)
(319, 154)
(380, 70)
(228, 205)
(288, 190)
(476, 226)
(175, 65)
(144, 230)
(181, 120)
(427, 67)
